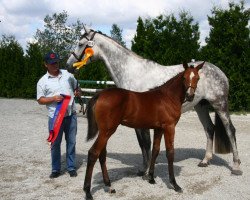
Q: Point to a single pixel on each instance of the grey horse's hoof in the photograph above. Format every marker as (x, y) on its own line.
(179, 190)
(201, 164)
(237, 172)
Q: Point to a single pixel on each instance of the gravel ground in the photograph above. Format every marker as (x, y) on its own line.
(25, 161)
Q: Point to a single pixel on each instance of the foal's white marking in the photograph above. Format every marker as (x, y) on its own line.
(191, 76)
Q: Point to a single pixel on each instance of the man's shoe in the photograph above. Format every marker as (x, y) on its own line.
(54, 174)
(73, 173)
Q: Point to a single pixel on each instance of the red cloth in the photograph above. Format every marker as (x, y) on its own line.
(58, 118)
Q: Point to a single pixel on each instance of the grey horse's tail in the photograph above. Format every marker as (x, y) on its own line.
(221, 140)
(92, 125)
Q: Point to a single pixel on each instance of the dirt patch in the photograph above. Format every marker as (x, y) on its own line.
(25, 161)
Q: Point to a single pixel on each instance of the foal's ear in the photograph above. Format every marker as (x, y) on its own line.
(185, 65)
(200, 65)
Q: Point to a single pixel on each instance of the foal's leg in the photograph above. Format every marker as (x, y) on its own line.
(155, 152)
(203, 114)
(169, 143)
(143, 137)
(106, 180)
(93, 154)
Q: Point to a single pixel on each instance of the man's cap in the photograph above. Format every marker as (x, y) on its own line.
(51, 57)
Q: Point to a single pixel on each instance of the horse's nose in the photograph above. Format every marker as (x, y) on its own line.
(189, 97)
(71, 69)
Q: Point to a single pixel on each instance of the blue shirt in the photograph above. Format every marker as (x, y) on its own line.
(49, 86)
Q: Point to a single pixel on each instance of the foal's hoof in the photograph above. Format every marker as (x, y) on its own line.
(89, 196)
(178, 189)
(237, 172)
(109, 190)
(152, 181)
(201, 164)
(112, 191)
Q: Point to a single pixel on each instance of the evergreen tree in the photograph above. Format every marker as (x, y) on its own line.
(138, 42)
(34, 69)
(166, 39)
(116, 34)
(228, 48)
(145, 41)
(12, 64)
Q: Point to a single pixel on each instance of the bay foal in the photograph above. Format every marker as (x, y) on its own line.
(158, 109)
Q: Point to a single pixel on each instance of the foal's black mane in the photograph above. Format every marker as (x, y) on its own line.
(169, 82)
(172, 79)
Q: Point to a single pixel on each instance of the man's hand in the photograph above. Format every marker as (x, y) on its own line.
(49, 100)
(57, 98)
(78, 92)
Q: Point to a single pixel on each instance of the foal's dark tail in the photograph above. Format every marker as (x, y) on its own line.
(92, 125)
(221, 140)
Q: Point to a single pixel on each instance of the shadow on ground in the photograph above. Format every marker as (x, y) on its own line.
(134, 161)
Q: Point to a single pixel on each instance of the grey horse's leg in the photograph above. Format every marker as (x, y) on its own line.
(221, 109)
(203, 113)
(143, 137)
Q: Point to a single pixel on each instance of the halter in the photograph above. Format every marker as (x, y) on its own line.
(88, 51)
(185, 100)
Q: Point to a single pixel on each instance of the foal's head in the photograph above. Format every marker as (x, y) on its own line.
(191, 78)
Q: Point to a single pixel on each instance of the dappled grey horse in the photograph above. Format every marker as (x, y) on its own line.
(132, 72)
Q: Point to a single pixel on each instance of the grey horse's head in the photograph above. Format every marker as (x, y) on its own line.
(80, 56)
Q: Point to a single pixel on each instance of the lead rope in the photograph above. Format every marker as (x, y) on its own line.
(79, 99)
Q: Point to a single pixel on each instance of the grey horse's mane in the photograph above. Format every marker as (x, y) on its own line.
(91, 30)
(118, 43)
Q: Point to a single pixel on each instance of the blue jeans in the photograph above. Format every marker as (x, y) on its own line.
(69, 127)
